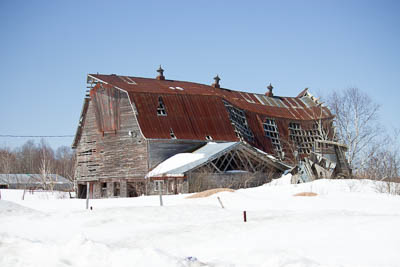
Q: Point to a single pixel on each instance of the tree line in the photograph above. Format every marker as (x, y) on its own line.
(38, 158)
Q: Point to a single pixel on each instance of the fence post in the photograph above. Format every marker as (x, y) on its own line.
(87, 195)
(161, 189)
(220, 202)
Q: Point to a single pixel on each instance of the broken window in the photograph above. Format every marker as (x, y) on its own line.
(303, 139)
(171, 133)
(271, 131)
(238, 119)
(116, 189)
(103, 189)
(161, 107)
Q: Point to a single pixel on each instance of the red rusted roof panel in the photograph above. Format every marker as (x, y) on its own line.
(282, 107)
(190, 117)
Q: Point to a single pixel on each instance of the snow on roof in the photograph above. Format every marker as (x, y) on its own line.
(31, 179)
(180, 163)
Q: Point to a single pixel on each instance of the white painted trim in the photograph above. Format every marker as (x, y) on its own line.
(134, 110)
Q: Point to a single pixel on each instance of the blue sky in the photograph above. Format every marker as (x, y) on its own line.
(48, 48)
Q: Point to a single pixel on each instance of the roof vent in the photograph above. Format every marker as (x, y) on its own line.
(161, 74)
(216, 84)
(269, 93)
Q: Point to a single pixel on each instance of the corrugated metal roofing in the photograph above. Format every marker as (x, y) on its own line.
(189, 116)
(283, 107)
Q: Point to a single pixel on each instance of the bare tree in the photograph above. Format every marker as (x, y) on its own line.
(356, 122)
(7, 161)
(383, 159)
(7, 164)
(46, 166)
(32, 158)
(27, 158)
(65, 162)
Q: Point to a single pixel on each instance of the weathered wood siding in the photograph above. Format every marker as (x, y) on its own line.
(111, 156)
(170, 186)
(204, 181)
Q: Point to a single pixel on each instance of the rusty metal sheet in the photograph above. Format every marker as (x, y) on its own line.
(190, 117)
(287, 106)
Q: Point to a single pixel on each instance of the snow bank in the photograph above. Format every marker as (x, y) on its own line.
(284, 180)
(10, 208)
(347, 224)
(16, 194)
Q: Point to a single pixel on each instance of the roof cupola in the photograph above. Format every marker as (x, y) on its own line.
(269, 93)
(216, 83)
(161, 74)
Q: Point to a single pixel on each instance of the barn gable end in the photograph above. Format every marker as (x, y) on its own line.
(109, 139)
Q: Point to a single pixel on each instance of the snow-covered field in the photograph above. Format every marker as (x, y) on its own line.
(346, 224)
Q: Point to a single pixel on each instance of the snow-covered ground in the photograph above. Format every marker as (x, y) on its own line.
(346, 224)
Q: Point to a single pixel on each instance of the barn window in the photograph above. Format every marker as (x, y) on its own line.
(171, 133)
(158, 185)
(103, 189)
(303, 139)
(209, 137)
(271, 131)
(161, 107)
(238, 119)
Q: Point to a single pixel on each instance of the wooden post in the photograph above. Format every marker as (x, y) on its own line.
(244, 216)
(220, 202)
(87, 195)
(160, 190)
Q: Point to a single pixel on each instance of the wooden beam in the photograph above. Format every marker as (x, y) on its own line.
(241, 160)
(226, 156)
(229, 162)
(218, 170)
(233, 158)
(247, 158)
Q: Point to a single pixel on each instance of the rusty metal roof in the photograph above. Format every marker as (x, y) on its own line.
(195, 110)
(189, 116)
(301, 107)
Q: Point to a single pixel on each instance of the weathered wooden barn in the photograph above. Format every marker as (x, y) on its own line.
(129, 126)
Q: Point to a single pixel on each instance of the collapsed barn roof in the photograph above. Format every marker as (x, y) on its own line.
(193, 111)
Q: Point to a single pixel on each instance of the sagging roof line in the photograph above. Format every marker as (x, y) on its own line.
(101, 81)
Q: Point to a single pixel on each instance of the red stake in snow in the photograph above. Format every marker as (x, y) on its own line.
(244, 216)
